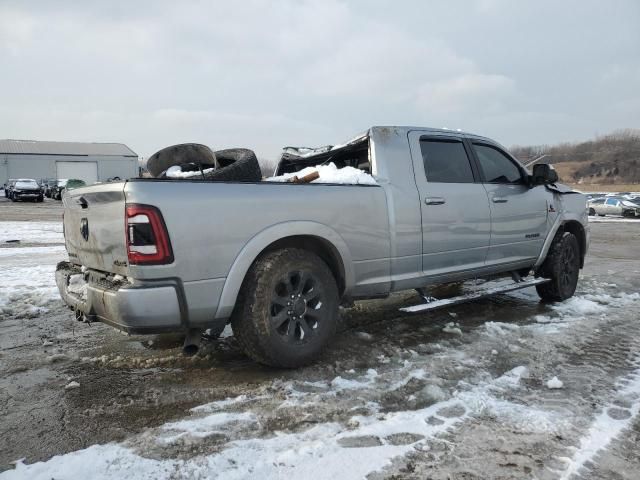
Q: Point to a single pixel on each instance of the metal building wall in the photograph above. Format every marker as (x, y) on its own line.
(44, 166)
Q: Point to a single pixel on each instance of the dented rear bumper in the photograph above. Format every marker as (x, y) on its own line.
(134, 308)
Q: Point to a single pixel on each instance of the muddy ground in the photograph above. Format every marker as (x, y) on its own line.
(476, 375)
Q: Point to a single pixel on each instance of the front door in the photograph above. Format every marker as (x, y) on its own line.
(518, 213)
(454, 205)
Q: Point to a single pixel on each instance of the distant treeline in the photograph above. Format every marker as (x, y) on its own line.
(613, 158)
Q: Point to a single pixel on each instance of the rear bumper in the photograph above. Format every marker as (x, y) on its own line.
(151, 308)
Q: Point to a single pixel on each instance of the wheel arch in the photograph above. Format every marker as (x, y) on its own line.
(315, 237)
(576, 228)
(560, 227)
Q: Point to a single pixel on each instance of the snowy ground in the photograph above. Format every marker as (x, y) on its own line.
(500, 388)
(613, 219)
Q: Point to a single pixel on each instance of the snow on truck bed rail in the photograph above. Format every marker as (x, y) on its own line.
(328, 174)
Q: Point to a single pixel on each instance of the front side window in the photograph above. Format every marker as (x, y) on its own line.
(612, 201)
(496, 166)
(445, 161)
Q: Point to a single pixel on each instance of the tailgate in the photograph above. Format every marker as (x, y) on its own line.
(94, 227)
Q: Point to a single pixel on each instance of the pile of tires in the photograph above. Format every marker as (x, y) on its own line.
(230, 165)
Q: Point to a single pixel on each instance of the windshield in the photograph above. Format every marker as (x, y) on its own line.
(26, 184)
(62, 183)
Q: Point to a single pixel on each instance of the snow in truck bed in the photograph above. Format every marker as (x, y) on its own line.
(330, 174)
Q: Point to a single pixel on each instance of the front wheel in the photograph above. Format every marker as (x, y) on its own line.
(287, 309)
(562, 267)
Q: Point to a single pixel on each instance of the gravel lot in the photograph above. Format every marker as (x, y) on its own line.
(459, 393)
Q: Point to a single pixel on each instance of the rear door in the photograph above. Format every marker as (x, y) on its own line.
(518, 213)
(454, 205)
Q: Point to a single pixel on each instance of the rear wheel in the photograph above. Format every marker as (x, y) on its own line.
(287, 310)
(592, 212)
(562, 267)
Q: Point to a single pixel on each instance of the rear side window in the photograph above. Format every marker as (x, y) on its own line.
(612, 201)
(445, 161)
(496, 166)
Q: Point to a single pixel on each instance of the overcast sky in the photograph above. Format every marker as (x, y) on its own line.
(265, 74)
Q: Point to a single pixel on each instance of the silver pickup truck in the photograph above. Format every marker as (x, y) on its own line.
(277, 259)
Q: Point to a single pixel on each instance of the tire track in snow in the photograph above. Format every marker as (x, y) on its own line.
(608, 425)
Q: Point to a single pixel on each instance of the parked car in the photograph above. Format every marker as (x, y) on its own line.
(57, 188)
(616, 206)
(8, 188)
(276, 259)
(26, 189)
(63, 185)
(46, 184)
(591, 203)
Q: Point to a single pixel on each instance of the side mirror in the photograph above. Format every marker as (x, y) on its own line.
(543, 174)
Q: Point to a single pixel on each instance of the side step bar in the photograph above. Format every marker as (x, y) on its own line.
(486, 289)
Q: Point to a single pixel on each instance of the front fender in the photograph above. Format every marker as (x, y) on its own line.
(268, 236)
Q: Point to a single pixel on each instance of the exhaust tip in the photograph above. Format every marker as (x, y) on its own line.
(190, 350)
(192, 342)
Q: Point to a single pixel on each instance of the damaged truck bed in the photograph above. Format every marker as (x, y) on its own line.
(275, 259)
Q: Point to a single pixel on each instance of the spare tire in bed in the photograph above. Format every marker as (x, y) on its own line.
(179, 154)
(235, 165)
(231, 165)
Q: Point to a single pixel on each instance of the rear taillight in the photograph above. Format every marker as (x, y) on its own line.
(147, 238)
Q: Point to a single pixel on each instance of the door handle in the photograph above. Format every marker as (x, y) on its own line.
(499, 200)
(434, 200)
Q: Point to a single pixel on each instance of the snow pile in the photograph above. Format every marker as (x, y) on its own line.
(176, 172)
(330, 174)
(28, 280)
(340, 383)
(78, 286)
(31, 232)
(202, 427)
(554, 384)
(453, 328)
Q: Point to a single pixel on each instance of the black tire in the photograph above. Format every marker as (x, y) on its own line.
(601, 214)
(231, 165)
(592, 212)
(562, 267)
(179, 154)
(262, 323)
(236, 165)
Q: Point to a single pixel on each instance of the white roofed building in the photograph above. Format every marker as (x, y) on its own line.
(91, 162)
